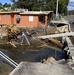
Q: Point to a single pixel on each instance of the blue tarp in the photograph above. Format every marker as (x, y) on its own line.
(70, 5)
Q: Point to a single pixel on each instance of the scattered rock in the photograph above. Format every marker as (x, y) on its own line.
(49, 60)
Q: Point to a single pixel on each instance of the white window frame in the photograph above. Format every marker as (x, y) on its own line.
(31, 18)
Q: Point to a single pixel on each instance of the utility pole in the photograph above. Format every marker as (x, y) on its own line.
(57, 10)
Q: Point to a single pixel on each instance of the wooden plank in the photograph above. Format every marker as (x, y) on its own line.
(12, 44)
(56, 42)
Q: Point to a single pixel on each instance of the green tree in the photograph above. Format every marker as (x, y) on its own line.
(7, 5)
(63, 6)
(1, 5)
(49, 5)
(37, 6)
(13, 6)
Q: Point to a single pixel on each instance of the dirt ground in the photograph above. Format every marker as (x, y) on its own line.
(5, 68)
(3, 31)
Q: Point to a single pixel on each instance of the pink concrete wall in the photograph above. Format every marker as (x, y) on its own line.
(24, 21)
(5, 19)
(10, 18)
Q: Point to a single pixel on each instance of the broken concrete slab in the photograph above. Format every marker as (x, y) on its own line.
(37, 68)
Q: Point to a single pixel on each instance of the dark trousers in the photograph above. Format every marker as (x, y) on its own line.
(67, 55)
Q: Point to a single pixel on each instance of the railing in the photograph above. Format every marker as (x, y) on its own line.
(13, 63)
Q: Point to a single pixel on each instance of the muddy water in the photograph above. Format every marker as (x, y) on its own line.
(27, 53)
(30, 53)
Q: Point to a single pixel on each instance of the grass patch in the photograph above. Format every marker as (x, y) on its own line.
(4, 67)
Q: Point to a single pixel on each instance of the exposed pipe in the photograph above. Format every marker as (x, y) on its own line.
(56, 35)
(24, 35)
(57, 10)
(8, 59)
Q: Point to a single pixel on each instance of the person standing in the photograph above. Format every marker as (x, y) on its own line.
(65, 44)
(67, 53)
